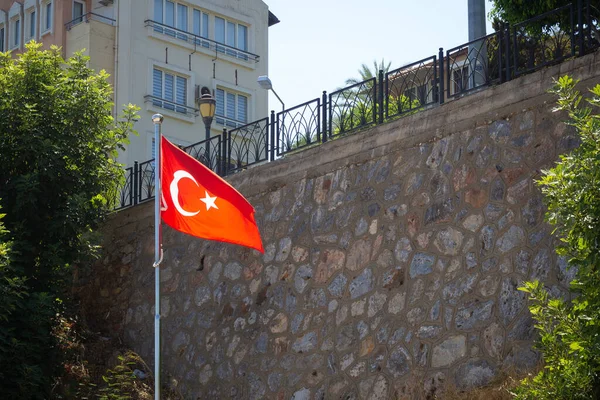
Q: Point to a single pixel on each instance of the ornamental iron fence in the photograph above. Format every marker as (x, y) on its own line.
(568, 31)
(411, 87)
(298, 127)
(473, 65)
(353, 107)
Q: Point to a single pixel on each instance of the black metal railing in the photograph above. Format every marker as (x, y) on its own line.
(537, 44)
(247, 145)
(411, 87)
(474, 64)
(87, 18)
(209, 152)
(202, 42)
(298, 127)
(568, 31)
(352, 107)
(170, 105)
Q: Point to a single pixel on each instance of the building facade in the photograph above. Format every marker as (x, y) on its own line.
(159, 53)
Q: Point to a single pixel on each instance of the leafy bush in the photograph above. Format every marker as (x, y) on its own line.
(570, 332)
(58, 142)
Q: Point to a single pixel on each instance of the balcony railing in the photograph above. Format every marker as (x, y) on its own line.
(201, 42)
(89, 17)
(171, 105)
(569, 31)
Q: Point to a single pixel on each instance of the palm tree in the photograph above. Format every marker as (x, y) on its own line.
(355, 107)
(365, 73)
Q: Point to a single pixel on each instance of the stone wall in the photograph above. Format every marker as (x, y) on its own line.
(392, 260)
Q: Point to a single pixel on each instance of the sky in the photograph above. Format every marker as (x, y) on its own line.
(320, 43)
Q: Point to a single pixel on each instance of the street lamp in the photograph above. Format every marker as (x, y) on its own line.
(207, 108)
(265, 83)
(207, 111)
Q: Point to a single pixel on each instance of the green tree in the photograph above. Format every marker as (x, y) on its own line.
(58, 144)
(570, 332)
(515, 11)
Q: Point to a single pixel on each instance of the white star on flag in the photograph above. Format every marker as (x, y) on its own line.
(209, 201)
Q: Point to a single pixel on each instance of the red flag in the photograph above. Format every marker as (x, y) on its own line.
(198, 202)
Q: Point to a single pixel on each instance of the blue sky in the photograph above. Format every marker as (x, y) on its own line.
(320, 43)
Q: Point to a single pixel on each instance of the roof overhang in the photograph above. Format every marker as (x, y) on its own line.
(273, 19)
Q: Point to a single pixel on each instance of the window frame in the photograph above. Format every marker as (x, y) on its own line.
(83, 12)
(47, 18)
(16, 28)
(161, 101)
(176, 20)
(31, 25)
(203, 31)
(226, 39)
(2, 37)
(225, 120)
(460, 79)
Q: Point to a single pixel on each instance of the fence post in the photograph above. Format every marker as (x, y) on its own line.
(324, 110)
(507, 57)
(580, 30)
(441, 81)
(135, 182)
(224, 164)
(272, 152)
(379, 93)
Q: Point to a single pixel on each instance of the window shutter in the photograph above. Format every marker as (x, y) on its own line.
(181, 93)
(242, 108)
(220, 109)
(157, 83)
(230, 105)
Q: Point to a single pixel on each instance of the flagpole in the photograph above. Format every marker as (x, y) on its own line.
(157, 119)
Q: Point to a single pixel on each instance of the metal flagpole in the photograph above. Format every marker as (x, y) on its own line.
(157, 119)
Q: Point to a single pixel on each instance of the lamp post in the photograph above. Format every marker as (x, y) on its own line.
(265, 83)
(207, 110)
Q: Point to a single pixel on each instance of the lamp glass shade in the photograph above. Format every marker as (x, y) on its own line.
(207, 107)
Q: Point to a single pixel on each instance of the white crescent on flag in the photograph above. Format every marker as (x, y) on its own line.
(174, 189)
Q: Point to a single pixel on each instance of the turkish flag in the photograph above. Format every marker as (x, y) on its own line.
(198, 202)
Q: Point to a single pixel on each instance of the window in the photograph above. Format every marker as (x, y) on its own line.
(171, 14)
(47, 11)
(16, 33)
(233, 35)
(231, 108)
(78, 12)
(169, 91)
(1, 38)
(460, 76)
(182, 21)
(31, 22)
(201, 27)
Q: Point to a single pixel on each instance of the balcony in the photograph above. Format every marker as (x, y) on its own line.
(199, 43)
(96, 34)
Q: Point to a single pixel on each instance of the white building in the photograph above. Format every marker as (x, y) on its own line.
(159, 54)
(167, 50)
